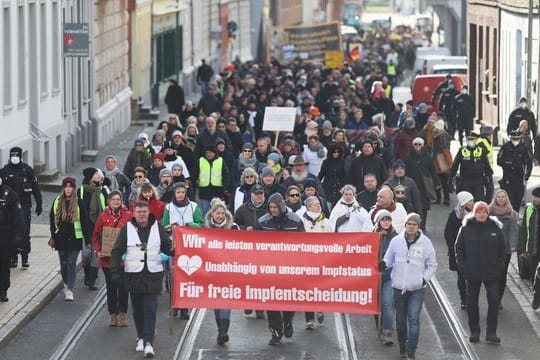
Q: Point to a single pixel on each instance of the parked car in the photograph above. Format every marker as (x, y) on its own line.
(423, 87)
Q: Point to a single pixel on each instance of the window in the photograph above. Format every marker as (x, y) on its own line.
(7, 59)
(21, 61)
(55, 47)
(43, 47)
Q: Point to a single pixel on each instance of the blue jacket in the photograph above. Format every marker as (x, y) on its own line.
(411, 265)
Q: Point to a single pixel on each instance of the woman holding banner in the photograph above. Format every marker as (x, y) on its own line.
(218, 217)
(108, 225)
(314, 221)
(383, 226)
(184, 212)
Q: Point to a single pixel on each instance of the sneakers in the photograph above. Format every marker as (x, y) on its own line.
(148, 350)
(310, 325)
(536, 302)
(387, 338)
(288, 330)
(320, 317)
(184, 314)
(25, 263)
(474, 338)
(493, 339)
(114, 320)
(247, 312)
(123, 320)
(140, 345)
(68, 295)
(276, 337)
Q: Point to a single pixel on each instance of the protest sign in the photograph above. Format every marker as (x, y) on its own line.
(279, 118)
(232, 269)
(108, 238)
(333, 59)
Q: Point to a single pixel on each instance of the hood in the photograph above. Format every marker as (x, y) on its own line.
(470, 218)
(228, 220)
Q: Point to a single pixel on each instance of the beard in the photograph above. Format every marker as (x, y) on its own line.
(299, 177)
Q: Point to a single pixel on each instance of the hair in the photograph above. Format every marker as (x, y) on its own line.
(140, 204)
(249, 171)
(64, 212)
(508, 204)
(348, 187)
(311, 200)
(292, 187)
(147, 187)
(114, 193)
(377, 227)
(316, 137)
(370, 175)
(140, 169)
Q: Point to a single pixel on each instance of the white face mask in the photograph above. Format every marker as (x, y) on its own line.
(523, 105)
(515, 142)
(471, 143)
(15, 160)
(464, 91)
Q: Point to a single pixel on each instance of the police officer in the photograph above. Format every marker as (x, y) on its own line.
(464, 106)
(20, 177)
(11, 232)
(516, 162)
(475, 174)
(447, 91)
(521, 113)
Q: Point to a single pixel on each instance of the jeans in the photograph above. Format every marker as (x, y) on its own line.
(117, 296)
(387, 305)
(205, 206)
(502, 282)
(408, 306)
(68, 267)
(276, 319)
(144, 315)
(222, 314)
(492, 292)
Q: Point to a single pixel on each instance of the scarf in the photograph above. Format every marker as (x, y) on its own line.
(244, 163)
(391, 209)
(182, 203)
(313, 217)
(111, 175)
(499, 210)
(95, 203)
(218, 226)
(429, 137)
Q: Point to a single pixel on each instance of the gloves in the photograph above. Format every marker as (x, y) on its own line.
(116, 278)
(39, 209)
(382, 265)
(164, 257)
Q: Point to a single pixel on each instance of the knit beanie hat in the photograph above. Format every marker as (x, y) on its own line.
(381, 214)
(69, 180)
(274, 157)
(327, 124)
(414, 217)
(464, 197)
(418, 140)
(16, 151)
(247, 146)
(267, 171)
(277, 199)
(111, 157)
(398, 164)
(165, 172)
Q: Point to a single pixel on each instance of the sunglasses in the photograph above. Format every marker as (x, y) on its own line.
(249, 176)
(400, 192)
(139, 177)
(417, 144)
(294, 195)
(248, 151)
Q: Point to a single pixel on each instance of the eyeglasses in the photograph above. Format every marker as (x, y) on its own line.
(139, 177)
(248, 151)
(294, 195)
(400, 192)
(249, 176)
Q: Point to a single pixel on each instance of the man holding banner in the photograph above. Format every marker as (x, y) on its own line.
(279, 218)
(412, 258)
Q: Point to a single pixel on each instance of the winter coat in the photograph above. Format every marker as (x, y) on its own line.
(135, 159)
(247, 214)
(357, 221)
(174, 98)
(319, 224)
(332, 176)
(384, 243)
(481, 250)
(157, 208)
(287, 221)
(204, 139)
(363, 165)
(413, 265)
(144, 282)
(411, 190)
(399, 215)
(529, 231)
(315, 158)
(403, 143)
(418, 166)
(64, 238)
(290, 181)
(109, 218)
(87, 221)
(367, 198)
(153, 174)
(228, 225)
(510, 229)
(190, 208)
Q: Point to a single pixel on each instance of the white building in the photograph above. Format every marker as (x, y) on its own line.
(31, 82)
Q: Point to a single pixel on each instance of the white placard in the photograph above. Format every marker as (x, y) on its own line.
(279, 118)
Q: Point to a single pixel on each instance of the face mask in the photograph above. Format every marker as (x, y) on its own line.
(523, 105)
(0, 181)
(471, 143)
(464, 91)
(515, 142)
(313, 214)
(15, 160)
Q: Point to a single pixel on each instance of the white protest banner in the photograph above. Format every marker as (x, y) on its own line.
(279, 118)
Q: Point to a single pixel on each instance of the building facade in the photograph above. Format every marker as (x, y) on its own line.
(31, 82)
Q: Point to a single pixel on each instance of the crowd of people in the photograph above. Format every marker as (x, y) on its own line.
(355, 162)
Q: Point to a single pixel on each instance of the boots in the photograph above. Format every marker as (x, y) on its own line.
(123, 320)
(25, 263)
(223, 329)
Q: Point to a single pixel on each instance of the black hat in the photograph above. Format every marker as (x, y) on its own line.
(523, 99)
(398, 164)
(536, 192)
(89, 172)
(220, 141)
(257, 189)
(278, 200)
(309, 182)
(167, 145)
(210, 147)
(68, 180)
(16, 151)
(515, 134)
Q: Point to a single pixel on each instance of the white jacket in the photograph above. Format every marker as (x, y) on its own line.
(359, 220)
(399, 215)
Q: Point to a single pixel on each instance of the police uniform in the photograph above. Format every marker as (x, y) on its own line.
(475, 174)
(516, 163)
(464, 107)
(21, 178)
(448, 93)
(11, 231)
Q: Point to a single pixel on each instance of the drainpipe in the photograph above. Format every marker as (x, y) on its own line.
(529, 51)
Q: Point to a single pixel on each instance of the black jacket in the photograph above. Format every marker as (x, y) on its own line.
(23, 181)
(332, 176)
(515, 161)
(363, 165)
(481, 250)
(64, 238)
(418, 166)
(464, 106)
(285, 222)
(144, 282)
(247, 214)
(451, 230)
(11, 218)
(135, 159)
(521, 114)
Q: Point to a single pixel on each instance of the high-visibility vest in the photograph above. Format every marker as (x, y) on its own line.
(210, 174)
(101, 198)
(489, 149)
(76, 223)
(136, 257)
(466, 153)
(391, 70)
(528, 214)
(388, 90)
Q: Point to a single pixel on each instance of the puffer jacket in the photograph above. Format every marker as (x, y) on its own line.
(481, 249)
(112, 219)
(247, 214)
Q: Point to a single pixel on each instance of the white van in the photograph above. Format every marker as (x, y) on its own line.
(450, 69)
(435, 60)
(424, 51)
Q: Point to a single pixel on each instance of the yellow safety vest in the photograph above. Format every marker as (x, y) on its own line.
(489, 150)
(101, 198)
(210, 175)
(466, 153)
(76, 223)
(391, 70)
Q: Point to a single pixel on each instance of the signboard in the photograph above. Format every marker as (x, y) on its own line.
(279, 118)
(333, 59)
(308, 42)
(76, 40)
(289, 271)
(108, 238)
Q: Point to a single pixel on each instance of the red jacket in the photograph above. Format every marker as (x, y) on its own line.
(157, 208)
(403, 143)
(108, 218)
